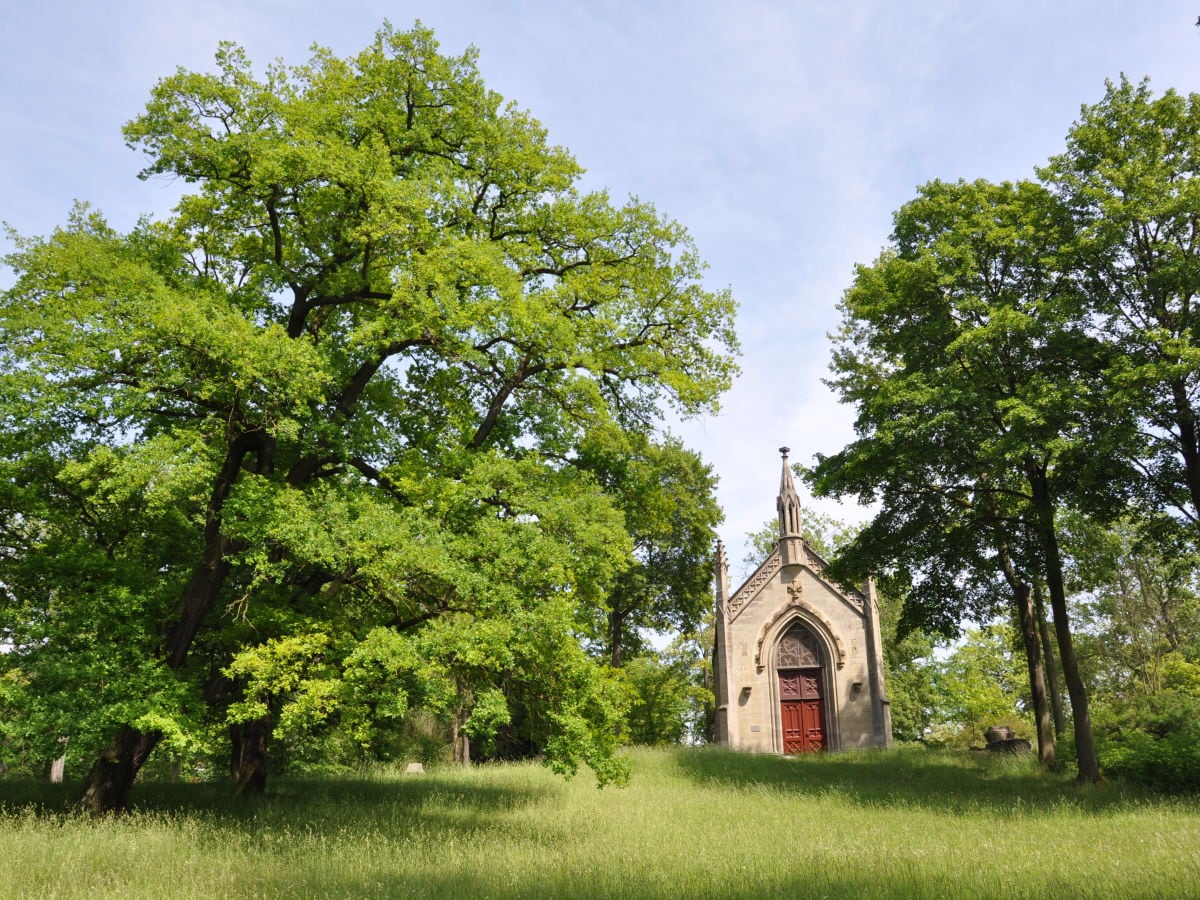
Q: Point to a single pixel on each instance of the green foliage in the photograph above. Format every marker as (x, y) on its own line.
(1137, 589)
(983, 683)
(489, 714)
(1138, 597)
(515, 677)
(960, 355)
(666, 495)
(910, 668)
(1156, 741)
(667, 699)
(343, 388)
(288, 667)
(1128, 179)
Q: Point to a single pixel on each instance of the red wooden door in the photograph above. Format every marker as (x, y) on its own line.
(802, 711)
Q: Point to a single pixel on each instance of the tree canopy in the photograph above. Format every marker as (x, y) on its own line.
(342, 388)
(1024, 349)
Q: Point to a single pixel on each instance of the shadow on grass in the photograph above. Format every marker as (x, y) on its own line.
(317, 805)
(936, 780)
(265, 847)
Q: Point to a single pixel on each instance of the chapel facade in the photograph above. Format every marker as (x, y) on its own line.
(799, 660)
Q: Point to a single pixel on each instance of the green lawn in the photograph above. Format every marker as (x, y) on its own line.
(692, 823)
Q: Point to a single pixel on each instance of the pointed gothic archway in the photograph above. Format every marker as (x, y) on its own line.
(803, 698)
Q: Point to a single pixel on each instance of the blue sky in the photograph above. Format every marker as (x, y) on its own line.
(783, 134)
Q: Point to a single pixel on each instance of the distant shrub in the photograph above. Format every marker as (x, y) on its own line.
(1155, 742)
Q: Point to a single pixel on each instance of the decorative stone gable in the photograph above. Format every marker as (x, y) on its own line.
(748, 591)
(798, 661)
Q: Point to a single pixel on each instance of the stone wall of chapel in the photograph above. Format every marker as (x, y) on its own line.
(753, 715)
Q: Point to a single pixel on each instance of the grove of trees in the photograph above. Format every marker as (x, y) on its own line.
(365, 434)
(358, 453)
(1024, 360)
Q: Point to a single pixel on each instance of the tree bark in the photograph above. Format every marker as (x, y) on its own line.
(248, 764)
(1085, 745)
(706, 679)
(1051, 667)
(616, 628)
(1022, 592)
(1189, 442)
(112, 775)
(199, 594)
(111, 778)
(460, 743)
(1037, 680)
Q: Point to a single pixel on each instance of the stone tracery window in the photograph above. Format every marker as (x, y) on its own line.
(799, 649)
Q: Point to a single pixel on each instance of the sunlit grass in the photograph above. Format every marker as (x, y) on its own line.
(693, 823)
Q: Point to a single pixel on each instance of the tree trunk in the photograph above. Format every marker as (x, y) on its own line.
(112, 775)
(1085, 745)
(616, 628)
(706, 680)
(1051, 667)
(460, 745)
(1022, 592)
(58, 768)
(111, 778)
(248, 764)
(196, 600)
(1037, 680)
(199, 594)
(1189, 442)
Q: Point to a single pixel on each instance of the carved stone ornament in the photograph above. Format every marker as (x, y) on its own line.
(810, 611)
(855, 599)
(757, 582)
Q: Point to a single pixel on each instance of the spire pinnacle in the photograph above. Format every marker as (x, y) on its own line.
(788, 503)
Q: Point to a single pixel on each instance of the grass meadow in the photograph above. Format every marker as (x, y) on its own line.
(691, 823)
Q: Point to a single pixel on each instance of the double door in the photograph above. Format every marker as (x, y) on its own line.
(802, 710)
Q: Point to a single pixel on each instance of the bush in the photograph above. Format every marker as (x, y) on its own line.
(1155, 742)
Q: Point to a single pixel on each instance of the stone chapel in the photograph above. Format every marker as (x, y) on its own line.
(799, 660)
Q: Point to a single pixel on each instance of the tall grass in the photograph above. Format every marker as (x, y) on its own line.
(692, 823)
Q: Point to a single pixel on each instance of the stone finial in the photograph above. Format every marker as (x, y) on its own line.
(788, 504)
(722, 574)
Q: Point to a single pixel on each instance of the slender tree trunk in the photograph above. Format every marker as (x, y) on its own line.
(1037, 680)
(58, 768)
(1051, 667)
(1189, 442)
(706, 680)
(1085, 745)
(248, 763)
(1022, 593)
(616, 635)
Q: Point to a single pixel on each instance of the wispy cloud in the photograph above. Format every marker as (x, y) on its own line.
(783, 134)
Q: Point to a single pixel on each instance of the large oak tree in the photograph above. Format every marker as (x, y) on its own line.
(337, 387)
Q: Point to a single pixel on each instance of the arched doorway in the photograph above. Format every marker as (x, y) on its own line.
(801, 691)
